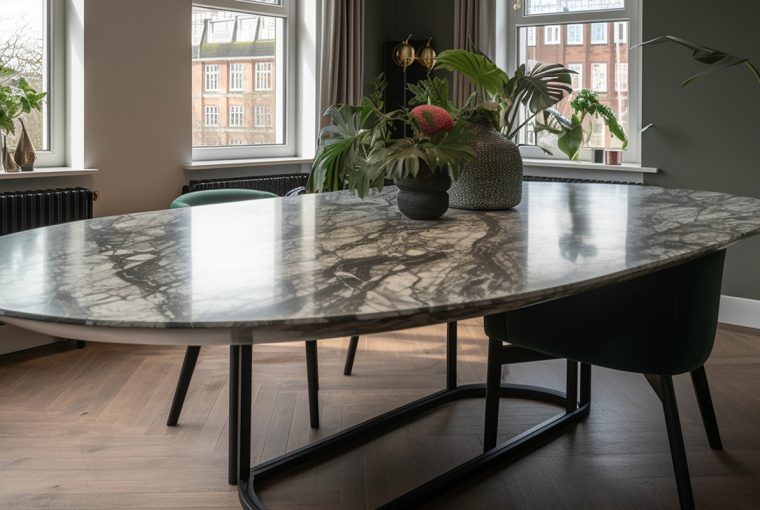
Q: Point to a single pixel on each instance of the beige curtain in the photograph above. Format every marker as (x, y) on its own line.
(342, 78)
(474, 21)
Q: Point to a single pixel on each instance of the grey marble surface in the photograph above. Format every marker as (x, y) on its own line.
(331, 264)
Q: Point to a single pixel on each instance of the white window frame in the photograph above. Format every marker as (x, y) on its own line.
(556, 31)
(575, 42)
(211, 111)
(577, 78)
(236, 77)
(508, 48)
(54, 73)
(621, 85)
(236, 116)
(622, 26)
(262, 72)
(602, 40)
(604, 82)
(265, 112)
(531, 36)
(211, 77)
(287, 70)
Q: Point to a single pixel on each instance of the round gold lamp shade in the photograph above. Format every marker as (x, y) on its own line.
(426, 56)
(404, 54)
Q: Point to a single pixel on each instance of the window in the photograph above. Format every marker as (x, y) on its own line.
(551, 34)
(621, 77)
(263, 76)
(239, 52)
(607, 67)
(211, 73)
(531, 36)
(574, 34)
(237, 116)
(535, 7)
(621, 32)
(599, 33)
(32, 43)
(236, 77)
(211, 118)
(263, 116)
(599, 77)
(577, 78)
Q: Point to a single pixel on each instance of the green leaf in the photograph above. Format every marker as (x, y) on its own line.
(478, 68)
(433, 91)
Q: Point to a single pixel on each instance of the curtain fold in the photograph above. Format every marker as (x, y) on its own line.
(342, 70)
(474, 21)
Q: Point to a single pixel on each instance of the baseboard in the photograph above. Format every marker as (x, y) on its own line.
(739, 312)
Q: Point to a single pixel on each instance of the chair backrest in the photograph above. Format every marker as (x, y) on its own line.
(218, 196)
(662, 323)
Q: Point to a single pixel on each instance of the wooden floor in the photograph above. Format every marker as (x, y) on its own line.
(85, 429)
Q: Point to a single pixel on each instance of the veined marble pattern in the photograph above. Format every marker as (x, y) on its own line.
(332, 264)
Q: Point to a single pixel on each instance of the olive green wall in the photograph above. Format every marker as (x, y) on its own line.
(704, 135)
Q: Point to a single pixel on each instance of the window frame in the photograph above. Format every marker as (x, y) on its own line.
(235, 76)
(606, 77)
(238, 116)
(577, 77)
(509, 42)
(288, 11)
(574, 42)
(603, 40)
(267, 115)
(54, 73)
(207, 75)
(621, 85)
(556, 29)
(267, 73)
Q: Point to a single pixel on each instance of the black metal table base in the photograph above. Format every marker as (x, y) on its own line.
(502, 454)
(332, 446)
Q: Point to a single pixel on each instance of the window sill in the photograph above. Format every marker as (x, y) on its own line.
(587, 165)
(48, 172)
(246, 163)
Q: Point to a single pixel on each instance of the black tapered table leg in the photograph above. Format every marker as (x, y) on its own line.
(585, 391)
(312, 379)
(353, 343)
(451, 356)
(493, 386)
(701, 388)
(185, 375)
(663, 386)
(245, 362)
(232, 433)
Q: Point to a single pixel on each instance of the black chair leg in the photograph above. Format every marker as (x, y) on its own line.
(312, 378)
(493, 391)
(663, 386)
(350, 355)
(180, 392)
(699, 380)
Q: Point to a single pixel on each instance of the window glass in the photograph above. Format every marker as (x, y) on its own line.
(24, 34)
(575, 34)
(240, 56)
(534, 7)
(551, 34)
(594, 66)
(599, 33)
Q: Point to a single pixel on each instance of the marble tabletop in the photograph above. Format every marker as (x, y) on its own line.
(325, 265)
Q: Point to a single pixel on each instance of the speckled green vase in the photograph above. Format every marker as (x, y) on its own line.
(493, 181)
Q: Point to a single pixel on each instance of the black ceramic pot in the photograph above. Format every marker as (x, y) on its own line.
(424, 197)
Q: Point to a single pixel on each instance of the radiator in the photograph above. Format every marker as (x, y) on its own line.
(22, 210)
(277, 184)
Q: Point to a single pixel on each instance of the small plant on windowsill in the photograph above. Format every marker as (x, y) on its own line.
(571, 132)
(422, 150)
(17, 98)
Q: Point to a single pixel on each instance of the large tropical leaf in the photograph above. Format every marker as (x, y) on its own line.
(478, 68)
(540, 87)
(718, 60)
(569, 131)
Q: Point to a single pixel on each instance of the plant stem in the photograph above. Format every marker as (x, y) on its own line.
(753, 69)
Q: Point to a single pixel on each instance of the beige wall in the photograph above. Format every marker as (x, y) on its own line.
(137, 101)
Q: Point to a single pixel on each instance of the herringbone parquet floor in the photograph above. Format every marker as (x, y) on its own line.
(86, 430)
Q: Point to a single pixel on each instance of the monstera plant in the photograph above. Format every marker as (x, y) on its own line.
(571, 132)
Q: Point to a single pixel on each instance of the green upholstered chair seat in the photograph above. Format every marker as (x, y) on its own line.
(663, 323)
(218, 196)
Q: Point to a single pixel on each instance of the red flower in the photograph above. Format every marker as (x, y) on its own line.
(433, 119)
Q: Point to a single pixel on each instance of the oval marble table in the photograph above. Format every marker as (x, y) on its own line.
(321, 266)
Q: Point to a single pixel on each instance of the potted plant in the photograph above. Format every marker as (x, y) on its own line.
(17, 98)
(422, 150)
(571, 133)
(501, 106)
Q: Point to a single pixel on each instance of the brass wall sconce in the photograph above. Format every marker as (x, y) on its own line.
(405, 55)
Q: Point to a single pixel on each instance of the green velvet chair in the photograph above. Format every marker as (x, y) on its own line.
(658, 325)
(220, 196)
